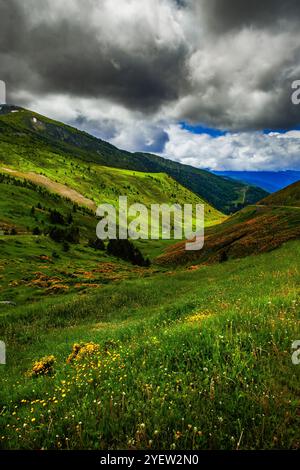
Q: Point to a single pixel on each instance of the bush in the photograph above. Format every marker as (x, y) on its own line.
(125, 250)
(43, 366)
(81, 351)
(97, 244)
(57, 218)
(70, 234)
(223, 257)
(66, 247)
(36, 231)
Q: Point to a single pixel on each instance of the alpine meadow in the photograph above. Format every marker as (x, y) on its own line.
(116, 344)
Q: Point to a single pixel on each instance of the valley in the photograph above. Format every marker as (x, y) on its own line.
(166, 350)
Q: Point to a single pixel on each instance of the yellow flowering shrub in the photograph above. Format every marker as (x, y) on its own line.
(82, 350)
(43, 366)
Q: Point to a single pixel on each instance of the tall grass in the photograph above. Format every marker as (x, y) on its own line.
(186, 360)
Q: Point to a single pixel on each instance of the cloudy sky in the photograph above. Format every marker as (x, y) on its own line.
(204, 82)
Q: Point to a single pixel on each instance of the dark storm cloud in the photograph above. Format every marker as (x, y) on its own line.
(66, 56)
(12, 22)
(224, 15)
(223, 63)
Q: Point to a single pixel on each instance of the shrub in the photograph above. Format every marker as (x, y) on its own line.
(43, 366)
(97, 244)
(56, 217)
(82, 350)
(66, 247)
(223, 257)
(70, 234)
(125, 250)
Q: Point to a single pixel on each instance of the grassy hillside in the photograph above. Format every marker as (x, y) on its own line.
(30, 142)
(90, 186)
(25, 205)
(225, 194)
(209, 368)
(31, 150)
(253, 230)
(33, 266)
(289, 196)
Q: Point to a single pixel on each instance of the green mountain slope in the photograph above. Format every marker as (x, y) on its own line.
(28, 138)
(106, 355)
(253, 230)
(225, 194)
(289, 196)
(37, 263)
(25, 206)
(53, 155)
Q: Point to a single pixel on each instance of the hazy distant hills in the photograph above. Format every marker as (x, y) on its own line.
(270, 181)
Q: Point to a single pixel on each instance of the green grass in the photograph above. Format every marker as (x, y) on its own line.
(89, 165)
(33, 267)
(18, 197)
(289, 196)
(49, 269)
(104, 184)
(253, 230)
(191, 359)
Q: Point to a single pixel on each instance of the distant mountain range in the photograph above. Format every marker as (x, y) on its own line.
(270, 181)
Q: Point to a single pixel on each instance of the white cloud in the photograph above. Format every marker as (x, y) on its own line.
(234, 151)
(133, 132)
(128, 71)
(113, 122)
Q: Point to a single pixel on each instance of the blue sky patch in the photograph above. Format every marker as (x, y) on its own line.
(199, 129)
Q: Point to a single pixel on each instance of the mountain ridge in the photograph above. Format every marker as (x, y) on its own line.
(33, 133)
(253, 230)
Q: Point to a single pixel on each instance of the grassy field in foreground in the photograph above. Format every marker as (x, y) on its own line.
(207, 368)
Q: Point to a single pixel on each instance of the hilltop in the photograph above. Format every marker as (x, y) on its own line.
(289, 196)
(64, 161)
(253, 230)
(31, 142)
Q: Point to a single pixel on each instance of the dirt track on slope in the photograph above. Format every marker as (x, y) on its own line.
(54, 187)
